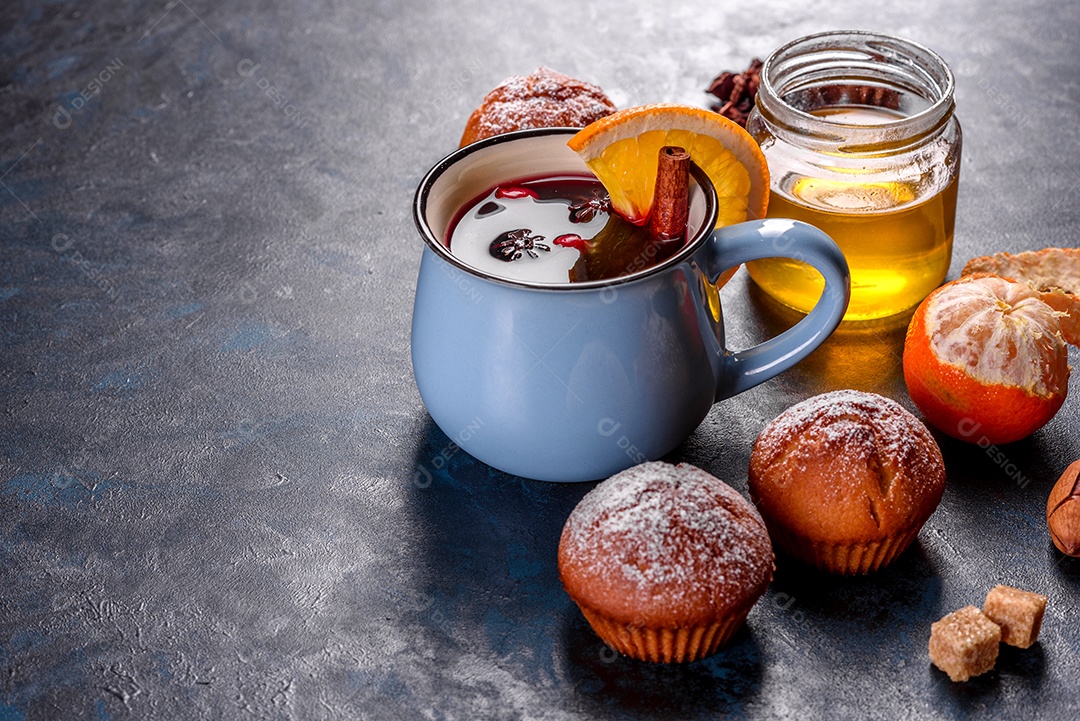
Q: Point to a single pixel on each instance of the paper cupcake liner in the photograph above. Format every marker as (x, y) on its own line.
(664, 645)
(849, 559)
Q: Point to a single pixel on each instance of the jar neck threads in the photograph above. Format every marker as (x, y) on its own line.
(908, 87)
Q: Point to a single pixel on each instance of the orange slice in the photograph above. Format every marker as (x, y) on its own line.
(621, 150)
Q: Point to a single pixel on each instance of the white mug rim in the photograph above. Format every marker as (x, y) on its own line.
(420, 202)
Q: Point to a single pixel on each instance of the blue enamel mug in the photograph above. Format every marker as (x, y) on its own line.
(576, 382)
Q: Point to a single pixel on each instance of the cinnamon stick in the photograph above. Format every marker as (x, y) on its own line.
(671, 200)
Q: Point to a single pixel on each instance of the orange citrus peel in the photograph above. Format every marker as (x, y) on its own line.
(621, 150)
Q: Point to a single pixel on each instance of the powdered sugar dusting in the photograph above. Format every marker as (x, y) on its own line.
(541, 100)
(860, 428)
(540, 113)
(663, 535)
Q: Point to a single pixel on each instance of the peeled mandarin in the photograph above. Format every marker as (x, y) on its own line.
(985, 360)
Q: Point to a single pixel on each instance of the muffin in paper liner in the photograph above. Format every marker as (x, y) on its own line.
(845, 480)
(847, 559)
(665, 645)
(665, 562)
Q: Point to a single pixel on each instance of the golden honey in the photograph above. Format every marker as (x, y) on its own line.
(868, 151)
(896, 237)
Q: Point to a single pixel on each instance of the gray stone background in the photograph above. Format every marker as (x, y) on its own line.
(220, 493)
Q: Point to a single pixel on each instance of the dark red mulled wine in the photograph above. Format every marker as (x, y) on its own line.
(551, 230)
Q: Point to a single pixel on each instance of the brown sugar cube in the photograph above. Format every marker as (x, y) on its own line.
(964, 643)
(1019, 613)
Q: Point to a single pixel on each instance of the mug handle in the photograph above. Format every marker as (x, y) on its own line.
(732, 245)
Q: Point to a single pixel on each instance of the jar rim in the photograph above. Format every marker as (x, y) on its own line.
(926, 73)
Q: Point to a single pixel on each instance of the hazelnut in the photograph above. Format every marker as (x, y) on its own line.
(1063, 511)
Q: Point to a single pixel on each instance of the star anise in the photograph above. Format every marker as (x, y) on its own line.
(585, 209)
(509, 245)
(736, 92)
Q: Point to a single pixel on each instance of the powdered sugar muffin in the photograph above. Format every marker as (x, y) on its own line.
(545, 99)
(845, 480)
(665, 561)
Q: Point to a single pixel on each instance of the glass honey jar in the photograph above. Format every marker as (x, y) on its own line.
(861, 141)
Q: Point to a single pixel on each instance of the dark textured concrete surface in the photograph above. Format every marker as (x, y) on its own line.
(220, 494)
